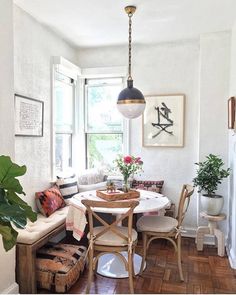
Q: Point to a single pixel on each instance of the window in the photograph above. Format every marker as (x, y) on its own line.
(103, 122)
(64, 94)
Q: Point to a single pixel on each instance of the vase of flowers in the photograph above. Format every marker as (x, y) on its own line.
(128, 165)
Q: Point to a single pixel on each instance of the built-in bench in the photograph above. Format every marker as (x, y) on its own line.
(29, 240)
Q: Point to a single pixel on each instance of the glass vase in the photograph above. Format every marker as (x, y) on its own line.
(126, 185)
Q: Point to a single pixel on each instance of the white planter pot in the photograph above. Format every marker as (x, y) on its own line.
(212, 206)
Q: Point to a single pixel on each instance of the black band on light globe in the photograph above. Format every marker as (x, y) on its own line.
(131, 102)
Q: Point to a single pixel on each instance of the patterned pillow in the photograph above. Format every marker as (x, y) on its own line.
(49, 201)
(68, 186)
(155, 186)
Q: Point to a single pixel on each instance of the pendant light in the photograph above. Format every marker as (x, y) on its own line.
(131, 102)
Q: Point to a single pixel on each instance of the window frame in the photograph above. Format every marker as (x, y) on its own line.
(62, 66)
(79, 75)
(125, 122)
(70, 132)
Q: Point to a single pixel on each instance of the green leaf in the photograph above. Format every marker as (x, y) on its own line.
(15, 214)
(2, 195)
(19, 221)
(5, 231)
(9, 235)
(12, 184)
(12, 208)
(10, 169)
(8, 172)
(15, 199)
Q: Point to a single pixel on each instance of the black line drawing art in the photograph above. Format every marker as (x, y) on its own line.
(163, 120)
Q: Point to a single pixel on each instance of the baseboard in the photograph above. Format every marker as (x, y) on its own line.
(13, 289)
(190, 232)
(232, 257)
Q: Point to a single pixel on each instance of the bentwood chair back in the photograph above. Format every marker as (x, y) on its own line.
(165, 227)
(110, 237)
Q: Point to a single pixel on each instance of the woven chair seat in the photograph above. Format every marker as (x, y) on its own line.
(157, 223)
(111, 239)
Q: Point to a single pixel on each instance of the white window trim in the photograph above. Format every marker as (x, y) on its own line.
(104, 72)
(78, 147)
(62, 65)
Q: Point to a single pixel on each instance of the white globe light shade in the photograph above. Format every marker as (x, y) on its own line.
(132, 110)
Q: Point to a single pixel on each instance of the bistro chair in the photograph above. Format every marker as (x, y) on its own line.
(165, 227)
(110, 237)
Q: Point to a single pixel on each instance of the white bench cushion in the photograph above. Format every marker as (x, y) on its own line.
(42, 226)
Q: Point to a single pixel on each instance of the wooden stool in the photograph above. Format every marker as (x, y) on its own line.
(211, 229)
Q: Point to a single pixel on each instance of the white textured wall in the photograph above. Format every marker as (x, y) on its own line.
(232, 161)
(7, 260)
(34, 45)
(161, 69)
(214, 91)
(200, 70)
(6, 81)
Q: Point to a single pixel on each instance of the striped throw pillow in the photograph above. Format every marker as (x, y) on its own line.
(68, 186)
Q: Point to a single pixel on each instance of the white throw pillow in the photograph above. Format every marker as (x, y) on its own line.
(91, 187)
(91, 176)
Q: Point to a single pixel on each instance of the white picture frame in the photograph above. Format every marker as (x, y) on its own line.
(163, 121)
(28, 116)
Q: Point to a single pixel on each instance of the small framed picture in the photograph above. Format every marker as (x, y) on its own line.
(28, 116)
(231, 112)
(163, 121)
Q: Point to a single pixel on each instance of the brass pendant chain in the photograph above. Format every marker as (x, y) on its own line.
(130, 39)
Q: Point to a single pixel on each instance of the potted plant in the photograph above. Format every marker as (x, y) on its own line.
(13, 210)
(209, 175)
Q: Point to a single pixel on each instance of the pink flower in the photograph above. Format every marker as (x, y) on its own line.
(127, 160)
(128, 165)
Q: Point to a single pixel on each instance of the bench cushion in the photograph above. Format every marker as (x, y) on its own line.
(42, 226)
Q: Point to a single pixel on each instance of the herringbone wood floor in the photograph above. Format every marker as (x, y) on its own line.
(204, 272)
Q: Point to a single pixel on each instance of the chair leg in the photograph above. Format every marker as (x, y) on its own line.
(130, 271)
(90, 274)
(179, 257)
(144, 236)
(133, 263)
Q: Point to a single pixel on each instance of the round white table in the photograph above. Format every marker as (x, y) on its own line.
(110, 265)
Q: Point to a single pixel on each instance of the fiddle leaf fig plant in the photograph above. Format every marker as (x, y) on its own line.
(13, 210)
(210, 174)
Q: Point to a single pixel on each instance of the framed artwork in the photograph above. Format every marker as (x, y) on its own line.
(231, 112)
(28, 116)
(163, 120)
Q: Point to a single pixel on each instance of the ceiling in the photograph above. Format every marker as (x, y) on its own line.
(92, 23)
